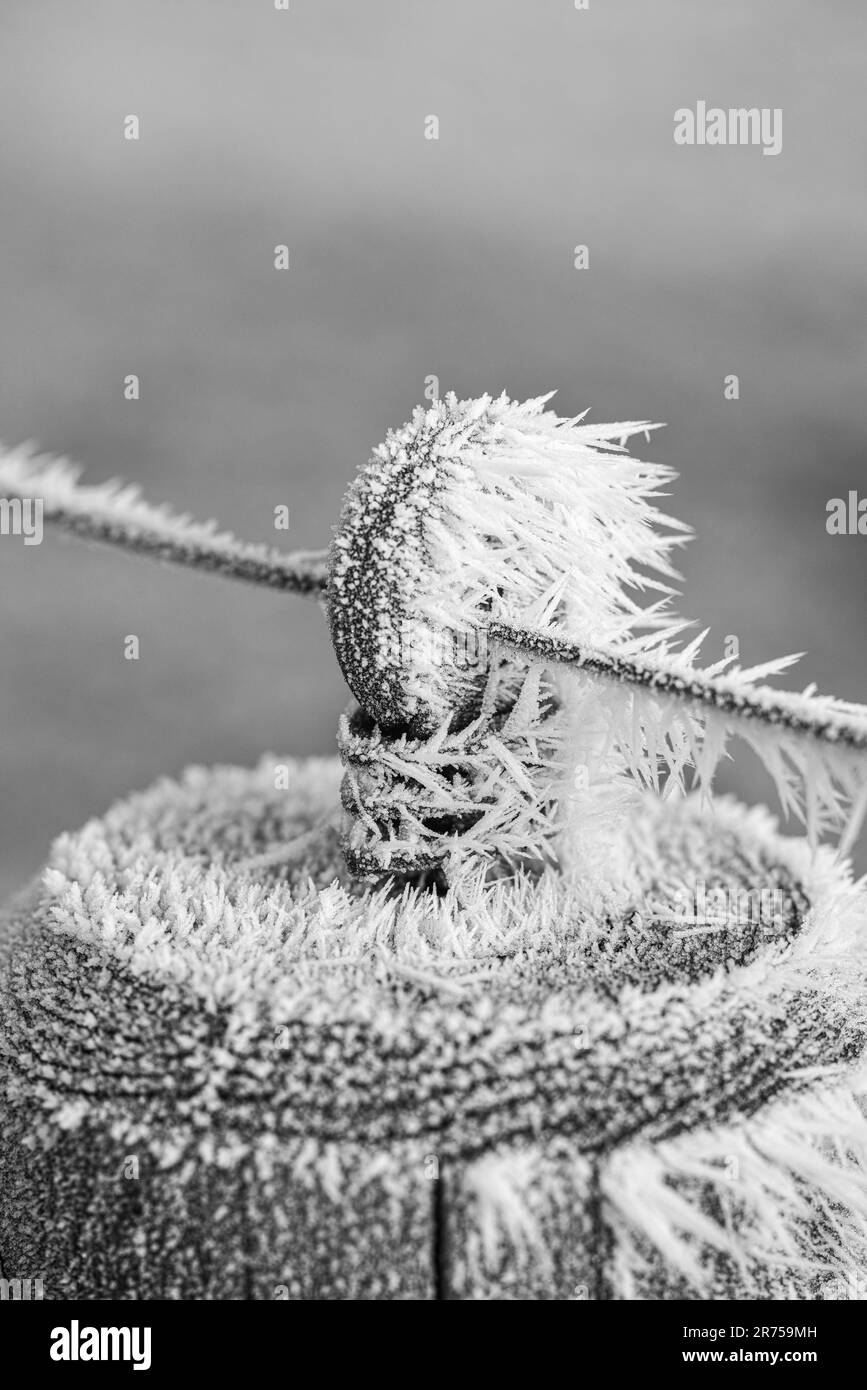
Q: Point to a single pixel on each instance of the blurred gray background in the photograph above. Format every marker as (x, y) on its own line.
(408, 258)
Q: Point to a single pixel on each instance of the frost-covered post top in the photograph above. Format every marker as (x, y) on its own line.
(483, 508)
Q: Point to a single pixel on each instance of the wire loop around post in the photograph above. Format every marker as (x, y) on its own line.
(415, 805)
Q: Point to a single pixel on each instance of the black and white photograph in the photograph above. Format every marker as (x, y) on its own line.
(433, 524)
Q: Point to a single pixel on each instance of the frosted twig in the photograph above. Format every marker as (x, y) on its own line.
(114, 513)
(819, 717)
